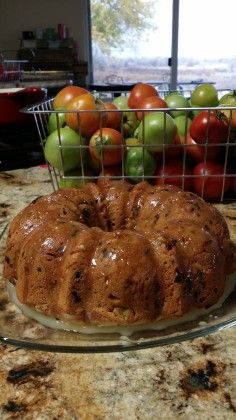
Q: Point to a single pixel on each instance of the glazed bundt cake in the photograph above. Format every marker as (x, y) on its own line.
(113, 253)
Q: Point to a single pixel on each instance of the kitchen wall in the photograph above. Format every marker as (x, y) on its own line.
(19, 15)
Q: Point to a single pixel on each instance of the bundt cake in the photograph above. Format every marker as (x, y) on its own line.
(113, 253)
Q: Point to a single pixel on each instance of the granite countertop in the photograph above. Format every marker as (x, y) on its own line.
(192, 380)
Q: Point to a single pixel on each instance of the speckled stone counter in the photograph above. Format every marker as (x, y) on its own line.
(190, 380)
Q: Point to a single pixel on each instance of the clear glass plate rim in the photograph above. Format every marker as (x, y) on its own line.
(31, 345)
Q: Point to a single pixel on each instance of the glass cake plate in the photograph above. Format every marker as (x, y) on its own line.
(19, 330)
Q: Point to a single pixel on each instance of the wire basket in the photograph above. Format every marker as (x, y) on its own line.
(173, 162)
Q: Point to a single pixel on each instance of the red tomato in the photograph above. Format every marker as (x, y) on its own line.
(113, 118)
(140, 91)
(172, 174)
(209, 180)
(172, 152)
(86, 123)
(99, 146)
(212, 125)
(66, 94)
(197, 153)
(149, 103)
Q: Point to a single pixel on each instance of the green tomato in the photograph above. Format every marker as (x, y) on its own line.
(67, 157)
(135, 135)
(194, 112)
(71, 183)
(182, 123)
(204, 95)
(156, 129)
(77, 182)
(131, 142)
(229, 99)
(121, 102)
(52, 121)
(138, 163)
(130, 123)
(176, 100)
(129, 119)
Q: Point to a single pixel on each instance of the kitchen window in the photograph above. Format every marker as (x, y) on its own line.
(166, 42)
(206, 48)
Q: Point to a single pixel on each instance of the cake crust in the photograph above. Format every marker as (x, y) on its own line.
(114, 253)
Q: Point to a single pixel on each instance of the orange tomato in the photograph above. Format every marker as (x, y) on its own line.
(66, 94)
(149, 103)
(114, 117)
(102, 146)
(231, 115)
(86, 123)
(139, 92)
